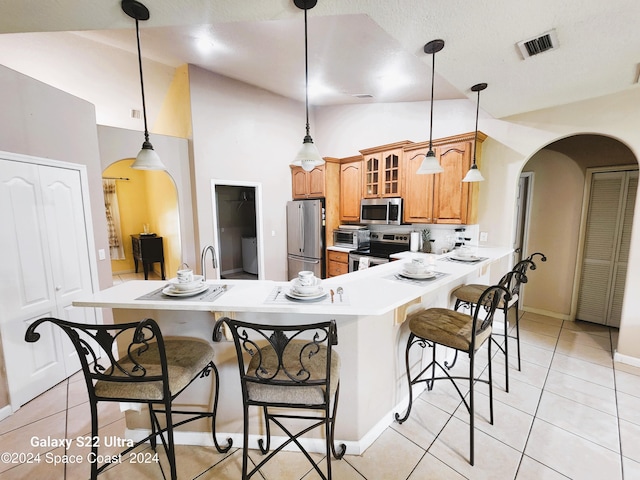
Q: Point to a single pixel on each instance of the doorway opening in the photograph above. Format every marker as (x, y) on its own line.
(238, 229)
(148, 205)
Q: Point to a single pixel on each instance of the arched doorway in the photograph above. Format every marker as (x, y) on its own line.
(146, 198)
(559, 172)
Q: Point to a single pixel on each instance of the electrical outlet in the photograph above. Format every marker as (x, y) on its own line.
(484, 236)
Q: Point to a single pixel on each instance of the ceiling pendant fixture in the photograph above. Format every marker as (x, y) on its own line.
(308, 157)
(147, 159)
(430, 163)
(474, 175)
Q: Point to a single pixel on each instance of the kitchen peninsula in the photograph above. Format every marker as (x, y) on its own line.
(371, 335)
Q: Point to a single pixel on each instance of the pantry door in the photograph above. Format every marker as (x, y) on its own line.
(44, 268)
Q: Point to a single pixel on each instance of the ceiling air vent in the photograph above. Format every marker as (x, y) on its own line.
(362, 95)
(539, 44)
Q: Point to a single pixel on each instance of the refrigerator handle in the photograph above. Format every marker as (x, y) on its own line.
(301, 228)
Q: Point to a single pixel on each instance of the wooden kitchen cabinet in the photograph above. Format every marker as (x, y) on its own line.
(307, 184)
(337, 263)
(443, 197)
(382, 170)
(350, 189)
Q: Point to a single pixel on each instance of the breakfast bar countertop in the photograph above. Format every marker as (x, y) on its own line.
(373, 291)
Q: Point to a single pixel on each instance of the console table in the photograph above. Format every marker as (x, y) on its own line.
(148, 250)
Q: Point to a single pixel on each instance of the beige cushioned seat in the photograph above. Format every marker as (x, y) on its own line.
(185, 358)
(302, 394)
(446, 327)
(471, 294)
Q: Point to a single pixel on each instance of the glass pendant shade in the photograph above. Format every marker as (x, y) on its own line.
(430, 164)
(308, 157)
(148, 159)
(473, 175)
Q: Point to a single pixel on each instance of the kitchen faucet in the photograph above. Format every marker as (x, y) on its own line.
(203, 258)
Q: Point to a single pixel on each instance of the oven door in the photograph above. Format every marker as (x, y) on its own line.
(354, 261)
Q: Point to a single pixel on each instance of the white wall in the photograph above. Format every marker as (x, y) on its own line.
(42, 121)
(243, 133)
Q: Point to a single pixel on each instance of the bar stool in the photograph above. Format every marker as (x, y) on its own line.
(151, 370)
(461, 332)
(290, 369)
(467, 296)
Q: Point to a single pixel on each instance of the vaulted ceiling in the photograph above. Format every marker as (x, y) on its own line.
(370, 48)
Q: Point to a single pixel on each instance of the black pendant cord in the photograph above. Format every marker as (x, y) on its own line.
(306, 73)
(475, 140)
(144, 108)
(433, 69)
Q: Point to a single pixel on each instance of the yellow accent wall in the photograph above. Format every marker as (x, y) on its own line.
(147, 197)
(175, 115)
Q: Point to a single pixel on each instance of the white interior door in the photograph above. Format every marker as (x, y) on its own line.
(46, 250)
(68, 249)
(606, 246)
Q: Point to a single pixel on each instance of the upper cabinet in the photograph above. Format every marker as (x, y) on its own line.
(308, 184)
(443, 197)
(350, 189)
(382, 170)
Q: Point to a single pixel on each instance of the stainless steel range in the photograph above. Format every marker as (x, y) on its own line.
(381, 246)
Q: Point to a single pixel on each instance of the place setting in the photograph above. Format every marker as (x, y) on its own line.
(417, 271)
(463, 255)
(306, 287)
(186, 285)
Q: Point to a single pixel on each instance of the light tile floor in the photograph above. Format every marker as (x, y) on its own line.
(571, 413)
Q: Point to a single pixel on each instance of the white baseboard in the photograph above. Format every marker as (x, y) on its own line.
(547, 313)
(5, 412)
(315, 445)
(626, 359)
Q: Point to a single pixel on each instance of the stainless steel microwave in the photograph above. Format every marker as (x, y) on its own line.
(381, 211)
(353, 239)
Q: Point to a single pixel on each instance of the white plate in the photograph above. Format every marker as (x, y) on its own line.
(470, 258)
(318, 291)
(187, 287)
(418, 276)
(297, 296)
(175, 293)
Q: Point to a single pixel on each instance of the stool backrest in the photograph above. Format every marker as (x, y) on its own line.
(486, 308)
(511, 281)
(95, 344)
(282, 355)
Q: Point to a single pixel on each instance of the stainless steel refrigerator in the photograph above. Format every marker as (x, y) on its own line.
(305, 237)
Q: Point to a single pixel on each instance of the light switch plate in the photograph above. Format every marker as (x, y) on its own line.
(484, 236)
(101, 254)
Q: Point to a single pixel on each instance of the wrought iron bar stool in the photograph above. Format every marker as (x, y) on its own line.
(467, 296)
(290, 369)
(461, 332)
(151, 370)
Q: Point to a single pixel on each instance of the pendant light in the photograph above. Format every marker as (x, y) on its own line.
(430, 163)
(308, 157)
(147, 159)
(474, 175)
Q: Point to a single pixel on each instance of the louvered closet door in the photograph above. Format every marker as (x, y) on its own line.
(606, 247)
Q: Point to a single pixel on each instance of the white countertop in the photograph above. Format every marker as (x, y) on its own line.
(367, 292)
(340, 249)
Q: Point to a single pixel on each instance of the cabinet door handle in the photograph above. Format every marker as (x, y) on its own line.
(58, 288)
